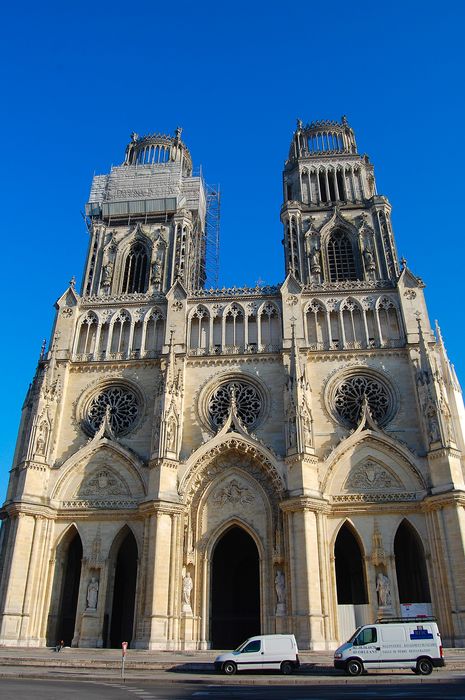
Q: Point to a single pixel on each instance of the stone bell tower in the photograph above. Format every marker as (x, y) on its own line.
(323, 174)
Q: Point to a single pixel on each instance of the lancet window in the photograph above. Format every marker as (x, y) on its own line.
(87, 334)
(388, 321)
(269, 326)
(234, 326)
(120, 333)
(341, 258)
(200, 329)
(135, 277)
(154, 332)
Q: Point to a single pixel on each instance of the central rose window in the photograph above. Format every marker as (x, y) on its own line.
(123, 405)
(249, 403)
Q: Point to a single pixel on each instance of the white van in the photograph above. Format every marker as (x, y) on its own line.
(267, 651)
(392, 643)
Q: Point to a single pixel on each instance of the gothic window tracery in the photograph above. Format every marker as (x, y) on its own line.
(120, 333)
(234, 326)
(123, 406)
(248, 401)
(200, 329)
(350, 394)
(87, 334)
(269, 325)
(155, 331)
(341, 259)
(135, 277)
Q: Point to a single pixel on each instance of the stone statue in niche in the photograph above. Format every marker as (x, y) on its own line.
(280, 586)
(434, 434)
(187, 585)
(155, 276)
(41, 441)
(383, 590)
(315, 261)
(171, 435)
(107, 273)
(369, 260)
(292, 433)
(92, 594)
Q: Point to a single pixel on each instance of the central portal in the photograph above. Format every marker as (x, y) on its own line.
(235, 586)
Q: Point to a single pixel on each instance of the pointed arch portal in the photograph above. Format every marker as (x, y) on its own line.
(124, 592)
(235, 586)
(412, 576)
(71, 569)
(350, 577)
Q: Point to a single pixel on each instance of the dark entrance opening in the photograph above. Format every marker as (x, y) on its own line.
(350, 578)
(235, 585)
(412, 577)
(124, 593)
(70, 590)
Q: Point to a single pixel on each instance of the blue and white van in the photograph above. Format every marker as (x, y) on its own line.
(413, 643)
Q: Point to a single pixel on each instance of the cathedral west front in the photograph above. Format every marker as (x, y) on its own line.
(195, 466)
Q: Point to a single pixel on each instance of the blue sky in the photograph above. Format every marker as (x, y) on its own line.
(78, 77)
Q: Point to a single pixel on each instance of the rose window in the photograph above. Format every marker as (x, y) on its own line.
(350, 395)
(122, 404)
(249, 403)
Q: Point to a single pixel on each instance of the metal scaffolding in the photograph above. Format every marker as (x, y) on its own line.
(212, 236)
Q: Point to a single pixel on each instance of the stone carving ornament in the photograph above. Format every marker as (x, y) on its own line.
(103, 483)
(124, 409)
(370, 476)
(350, 394)
(233, 493)
(247, 398)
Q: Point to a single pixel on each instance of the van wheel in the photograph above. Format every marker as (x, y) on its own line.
(424, 667)
(229, 668)
(286, 668)
(354, 667)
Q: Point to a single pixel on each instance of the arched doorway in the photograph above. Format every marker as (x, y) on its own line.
(350, 576)
(124, 590)
(412, 577)
(235, 586)
(70, 563)
(351, 589)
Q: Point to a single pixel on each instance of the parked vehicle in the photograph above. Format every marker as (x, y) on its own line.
(392, 643)
(268, 651)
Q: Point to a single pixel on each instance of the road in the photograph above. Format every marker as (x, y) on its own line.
(444, 687)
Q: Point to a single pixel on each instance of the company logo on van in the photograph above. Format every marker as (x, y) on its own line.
(421, 633)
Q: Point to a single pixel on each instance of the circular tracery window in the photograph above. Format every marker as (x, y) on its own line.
(349, 395)
(249, 403)
(123, 405)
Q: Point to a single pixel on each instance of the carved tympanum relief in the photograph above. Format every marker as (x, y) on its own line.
(371, 476)
(103, 483)
(234, 493)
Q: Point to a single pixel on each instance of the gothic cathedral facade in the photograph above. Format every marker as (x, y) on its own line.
(197, 465)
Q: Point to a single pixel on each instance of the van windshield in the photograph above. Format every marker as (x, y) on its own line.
(351, 639)
(241, 646)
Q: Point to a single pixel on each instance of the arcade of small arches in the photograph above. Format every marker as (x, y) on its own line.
(326, 185)
(123, 334)
(237, 328)
(349, 324)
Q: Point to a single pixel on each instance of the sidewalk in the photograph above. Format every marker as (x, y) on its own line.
(175, 666)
